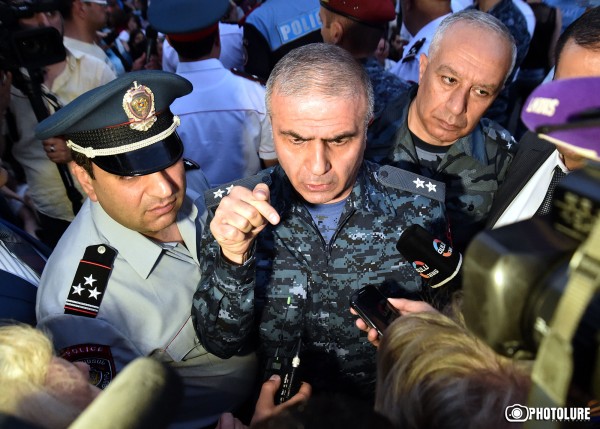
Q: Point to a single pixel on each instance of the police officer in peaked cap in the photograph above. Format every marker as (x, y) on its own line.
(120, 281)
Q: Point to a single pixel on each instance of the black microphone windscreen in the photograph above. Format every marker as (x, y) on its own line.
(431, 258)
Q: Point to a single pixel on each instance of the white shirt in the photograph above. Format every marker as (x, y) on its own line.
(409, 70)
(90, 49)
(12, 264)
(169, 58)
(232, 49)
(232, 46)
(224, 123)
(529, 199)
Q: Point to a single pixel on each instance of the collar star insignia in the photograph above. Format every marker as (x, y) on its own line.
(431, 187)
(94, 293)
(89, 280)
(229, 188)
(77, 289)
(509, 145)
(419, 183)
(219, 193)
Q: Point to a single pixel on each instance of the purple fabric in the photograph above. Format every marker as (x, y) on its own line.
(564, 101)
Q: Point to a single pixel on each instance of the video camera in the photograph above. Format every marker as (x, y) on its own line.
(531, 289)
(28, 48)
(32, 49)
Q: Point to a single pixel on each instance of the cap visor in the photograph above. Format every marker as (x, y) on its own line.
(150, 159)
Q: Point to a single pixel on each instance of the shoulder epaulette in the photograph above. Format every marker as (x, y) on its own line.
(213, 196)
(248, 76)
(411, 55)
(90, 281)
(189, 165)
(501, 136)
(397, 178)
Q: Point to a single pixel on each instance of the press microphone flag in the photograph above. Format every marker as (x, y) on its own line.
(433, 259)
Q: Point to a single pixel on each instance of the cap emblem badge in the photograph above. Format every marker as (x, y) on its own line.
(138, 104)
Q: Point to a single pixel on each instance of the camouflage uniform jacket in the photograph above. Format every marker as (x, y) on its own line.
(386, 88)
(296, 284)
(472, 169)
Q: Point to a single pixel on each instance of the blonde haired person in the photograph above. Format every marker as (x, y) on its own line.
(433, 373)
(35, 384)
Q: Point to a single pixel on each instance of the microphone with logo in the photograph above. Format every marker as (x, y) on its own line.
(433, 259)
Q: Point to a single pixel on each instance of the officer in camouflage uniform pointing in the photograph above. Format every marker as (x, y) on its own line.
(286, 254)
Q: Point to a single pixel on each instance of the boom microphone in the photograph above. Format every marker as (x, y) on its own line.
(433, 259)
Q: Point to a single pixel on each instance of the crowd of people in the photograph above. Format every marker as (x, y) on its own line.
(207, 182)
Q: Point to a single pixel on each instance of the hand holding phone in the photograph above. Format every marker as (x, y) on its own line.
(373, 308)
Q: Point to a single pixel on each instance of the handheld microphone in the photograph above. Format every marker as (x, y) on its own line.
(433, 259)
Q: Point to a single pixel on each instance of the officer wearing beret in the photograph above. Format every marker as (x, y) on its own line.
(224, 124)
(119, 283)
(357, 26)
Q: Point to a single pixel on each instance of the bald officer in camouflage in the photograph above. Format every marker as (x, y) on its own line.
(442, 134)
(286, 254)
(120, 282)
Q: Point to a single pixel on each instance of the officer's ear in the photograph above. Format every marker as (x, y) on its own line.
(423, 63)
(337, 32)
(84, 179)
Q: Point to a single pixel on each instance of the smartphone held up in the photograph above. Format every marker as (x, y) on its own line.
(373, 308)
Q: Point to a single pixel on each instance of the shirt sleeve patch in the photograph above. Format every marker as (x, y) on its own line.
(98, 357)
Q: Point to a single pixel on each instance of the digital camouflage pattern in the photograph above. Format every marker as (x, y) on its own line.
(296, 284)
(386, 87)
(472, 169)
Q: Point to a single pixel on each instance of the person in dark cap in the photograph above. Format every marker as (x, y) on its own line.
(357, 26)
(118, 284)
(224, 123)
